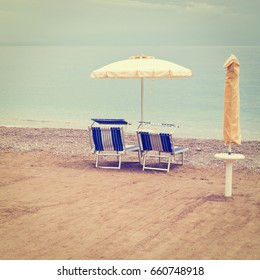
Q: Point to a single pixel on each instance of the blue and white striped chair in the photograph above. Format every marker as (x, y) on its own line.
(159, 145)
(107, 139)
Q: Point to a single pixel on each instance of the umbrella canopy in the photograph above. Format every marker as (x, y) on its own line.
(232, 135)
(142, 67)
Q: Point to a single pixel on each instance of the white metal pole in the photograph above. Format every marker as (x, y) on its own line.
(229, 149)
(142, 99)
(229, 170)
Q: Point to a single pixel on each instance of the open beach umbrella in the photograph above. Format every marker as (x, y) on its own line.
(231, 131)
(142, 67)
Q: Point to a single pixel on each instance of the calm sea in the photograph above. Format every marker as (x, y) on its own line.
(50, 86)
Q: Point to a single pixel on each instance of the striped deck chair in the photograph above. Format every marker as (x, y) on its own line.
(108, 140)
(159, 145)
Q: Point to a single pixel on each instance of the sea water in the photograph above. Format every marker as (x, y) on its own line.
(50, 86)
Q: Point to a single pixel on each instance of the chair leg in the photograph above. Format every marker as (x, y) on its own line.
(97, 159)
(176, 161)
(140, 156)
(144, 160)
(168, 162)
(111, 155)
(119, 161)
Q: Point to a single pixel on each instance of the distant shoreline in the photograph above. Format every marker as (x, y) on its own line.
(83, 125)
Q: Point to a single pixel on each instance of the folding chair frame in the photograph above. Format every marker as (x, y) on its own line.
(119, 156)
(169, 153)
(111, 152)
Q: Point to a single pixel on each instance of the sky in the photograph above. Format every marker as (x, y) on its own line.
(129, 22)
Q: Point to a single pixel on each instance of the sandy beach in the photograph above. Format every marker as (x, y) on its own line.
(54, 203)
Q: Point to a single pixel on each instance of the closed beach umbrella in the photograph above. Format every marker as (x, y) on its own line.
(232, 135)
(142, 67)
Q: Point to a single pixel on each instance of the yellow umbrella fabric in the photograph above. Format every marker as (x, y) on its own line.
(232, 134)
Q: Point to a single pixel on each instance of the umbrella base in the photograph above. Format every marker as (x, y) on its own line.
(229, 159)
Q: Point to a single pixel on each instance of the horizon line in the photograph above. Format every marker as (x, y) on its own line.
(125, 45)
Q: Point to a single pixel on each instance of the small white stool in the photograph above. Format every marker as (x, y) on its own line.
(229, 159)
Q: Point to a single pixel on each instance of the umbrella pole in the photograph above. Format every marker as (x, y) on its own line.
(229, 149)
(229, 171)
(142, 99)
